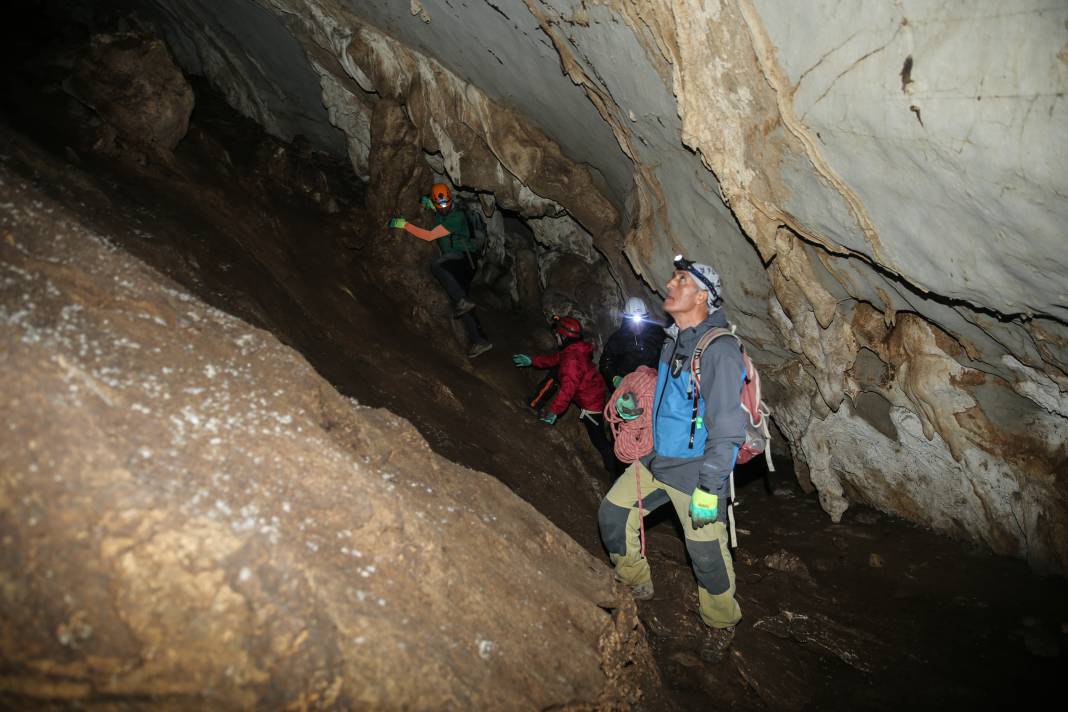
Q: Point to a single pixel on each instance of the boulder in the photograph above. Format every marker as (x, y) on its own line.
(131, 82)
(193, 518)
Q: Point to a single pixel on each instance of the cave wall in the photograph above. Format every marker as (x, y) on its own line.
(880, 187)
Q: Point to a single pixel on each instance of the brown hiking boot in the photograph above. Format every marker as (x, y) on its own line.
(717, 644)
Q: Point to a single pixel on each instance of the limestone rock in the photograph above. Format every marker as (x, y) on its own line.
(194, 518)
(132, 83)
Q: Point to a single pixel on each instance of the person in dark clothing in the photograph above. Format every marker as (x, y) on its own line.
(455, 267)
(635, 343)
(579, 382)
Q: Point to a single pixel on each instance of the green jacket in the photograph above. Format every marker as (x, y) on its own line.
(459, 237)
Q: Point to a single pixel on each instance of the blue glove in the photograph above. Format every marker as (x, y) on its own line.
(426, 202)
(548, 419)
(704, 508)
(398, 222)
(627, 406)
(521, 360)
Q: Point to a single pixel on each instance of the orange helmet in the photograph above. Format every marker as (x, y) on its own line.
(567, 326)
(441, 196)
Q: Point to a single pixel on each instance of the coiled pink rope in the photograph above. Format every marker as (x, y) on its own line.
(634, 438)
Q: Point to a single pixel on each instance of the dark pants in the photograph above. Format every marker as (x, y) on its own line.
(594, 423)
(455, 271)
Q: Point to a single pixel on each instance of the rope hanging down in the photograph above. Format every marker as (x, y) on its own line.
(634, 438)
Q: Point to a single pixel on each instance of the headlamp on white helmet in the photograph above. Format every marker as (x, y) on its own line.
(635, 310)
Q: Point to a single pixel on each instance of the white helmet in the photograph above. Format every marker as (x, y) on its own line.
(635, 309)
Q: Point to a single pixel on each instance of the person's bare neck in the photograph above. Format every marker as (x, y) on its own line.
(690, 318)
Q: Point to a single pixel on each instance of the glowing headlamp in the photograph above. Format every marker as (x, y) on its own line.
(681, 263)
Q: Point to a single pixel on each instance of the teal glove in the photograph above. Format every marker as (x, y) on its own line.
(627, 406)
(426, 202)
(398, 222)
(548, 419)
(704, 508)
(616, 380)
(521, 360)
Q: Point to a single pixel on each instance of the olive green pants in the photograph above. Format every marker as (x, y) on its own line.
(619, 521)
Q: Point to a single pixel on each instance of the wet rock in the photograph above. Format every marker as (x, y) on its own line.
(791, 686)
(818, 632)
(193, 517)
(131, 82)
(788, 562)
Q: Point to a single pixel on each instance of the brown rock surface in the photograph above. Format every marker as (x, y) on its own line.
(132, 83)
(192, 517)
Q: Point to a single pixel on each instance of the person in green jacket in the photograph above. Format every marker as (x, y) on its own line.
(455, 266)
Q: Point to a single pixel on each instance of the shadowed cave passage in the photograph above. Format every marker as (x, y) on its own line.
(248, 464)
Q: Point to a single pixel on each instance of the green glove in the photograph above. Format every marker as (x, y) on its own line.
(704, 508)
(627, 406)
(548, 419)
(521, 360)
(616, 380)
(398, 222)
(426, 202)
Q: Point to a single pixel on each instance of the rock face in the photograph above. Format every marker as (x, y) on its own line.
(156, 544)
(881, 189)
(134, 86)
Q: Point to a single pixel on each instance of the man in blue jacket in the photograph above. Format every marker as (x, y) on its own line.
(696, 437)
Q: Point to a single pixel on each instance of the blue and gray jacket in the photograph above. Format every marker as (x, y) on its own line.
(719, 429)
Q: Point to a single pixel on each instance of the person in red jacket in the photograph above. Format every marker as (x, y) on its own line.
(580, 382)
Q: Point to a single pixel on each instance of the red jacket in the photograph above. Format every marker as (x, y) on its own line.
(579, 379)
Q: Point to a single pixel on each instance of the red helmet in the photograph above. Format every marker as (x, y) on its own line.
(567, 326)
(441, 196)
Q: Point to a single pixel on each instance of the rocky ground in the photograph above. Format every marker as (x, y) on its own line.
(124, 520)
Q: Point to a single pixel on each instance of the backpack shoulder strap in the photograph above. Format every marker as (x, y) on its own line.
(704, 342)
(711, 335)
